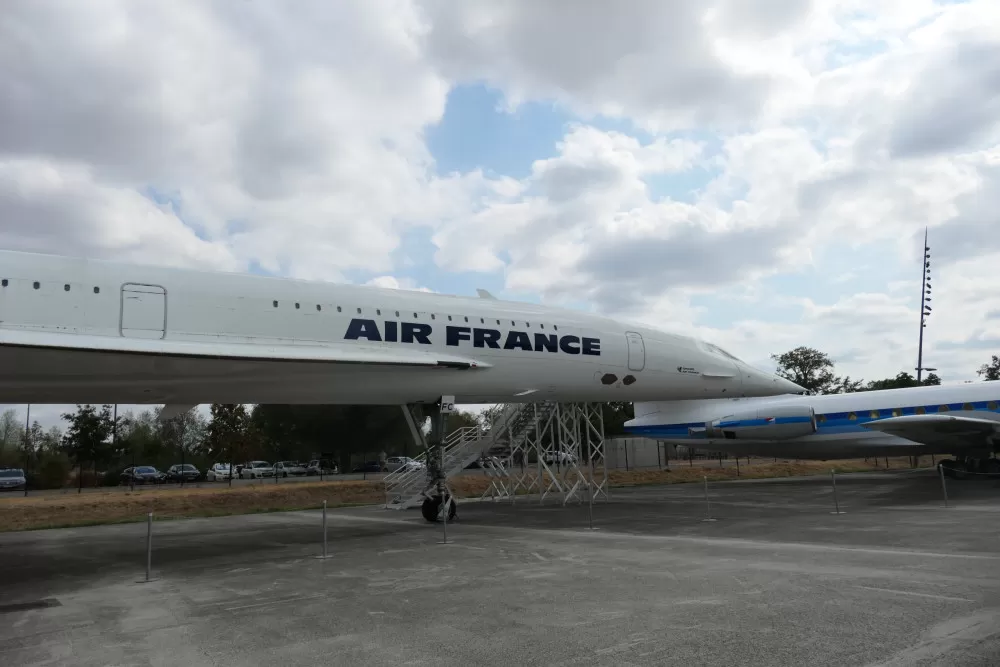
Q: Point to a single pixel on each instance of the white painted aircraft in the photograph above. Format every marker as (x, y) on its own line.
(961, 420)
(76, 330)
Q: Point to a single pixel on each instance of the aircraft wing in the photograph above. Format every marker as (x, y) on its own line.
(949, 431)
(353, 353)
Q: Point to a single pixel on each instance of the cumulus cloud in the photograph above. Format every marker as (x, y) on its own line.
(291, 136)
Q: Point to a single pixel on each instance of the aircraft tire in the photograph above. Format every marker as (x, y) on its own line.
(431, 507)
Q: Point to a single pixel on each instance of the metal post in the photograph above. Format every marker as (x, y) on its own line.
(444, 503)
(944, 487)
(737, 466)
(149, 544)
(27, 444)
(708, 505)
(836, 503)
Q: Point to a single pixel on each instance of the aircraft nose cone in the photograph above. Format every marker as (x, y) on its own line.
(788, 386)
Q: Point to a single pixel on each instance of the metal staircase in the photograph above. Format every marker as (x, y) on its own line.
(405, 488)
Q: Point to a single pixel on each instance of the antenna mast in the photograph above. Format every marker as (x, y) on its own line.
(925, 309)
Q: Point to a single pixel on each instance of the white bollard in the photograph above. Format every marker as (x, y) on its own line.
(708, 505)
(944, 487)
(836, 503)
(149, 545)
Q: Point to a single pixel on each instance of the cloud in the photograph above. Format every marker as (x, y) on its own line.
(275, 141)
(717, 154)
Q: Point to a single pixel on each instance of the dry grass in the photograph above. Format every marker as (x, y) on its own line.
(118, 506)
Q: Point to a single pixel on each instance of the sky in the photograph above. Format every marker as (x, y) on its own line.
(759, 174)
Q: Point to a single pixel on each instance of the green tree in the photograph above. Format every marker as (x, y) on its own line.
(990, 371)
(901, 381)
(87, 439)
(229, 433)
(813, 370)
(11, 435)
(461, 419)
(615, 415)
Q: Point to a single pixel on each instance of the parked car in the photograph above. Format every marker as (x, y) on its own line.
(322, 466)
(142, 475)
(186, 472)
(368, 466)
(219, 472)
(394, 463)
(256, 470)
(12, 479)
(286, 468)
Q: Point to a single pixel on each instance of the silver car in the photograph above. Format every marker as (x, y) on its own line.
(12, 479)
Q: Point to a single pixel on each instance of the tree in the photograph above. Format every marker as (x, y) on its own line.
(615, 415)
(11, 432)
(813, 370)
(461, 419)
(87, 438)
(228, 433)
(901, 381)
(990, 371)
(184, 432)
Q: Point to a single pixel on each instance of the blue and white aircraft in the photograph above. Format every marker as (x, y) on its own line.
(960, 420)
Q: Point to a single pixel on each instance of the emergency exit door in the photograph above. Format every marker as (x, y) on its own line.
(143, 311)
(636, 351)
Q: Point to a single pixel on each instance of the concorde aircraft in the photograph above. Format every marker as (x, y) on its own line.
(961, 420)
(78, 330)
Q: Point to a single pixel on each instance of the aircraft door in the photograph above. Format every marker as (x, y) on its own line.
(636, 351)
(143, 311)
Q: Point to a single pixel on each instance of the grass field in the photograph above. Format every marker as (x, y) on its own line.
(119, 506)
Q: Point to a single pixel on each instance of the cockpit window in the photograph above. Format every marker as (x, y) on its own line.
(718, 350)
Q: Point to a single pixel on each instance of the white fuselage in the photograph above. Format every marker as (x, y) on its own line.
(838, 421)
(76, 330)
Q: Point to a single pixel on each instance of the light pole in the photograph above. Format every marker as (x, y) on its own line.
(925, 309)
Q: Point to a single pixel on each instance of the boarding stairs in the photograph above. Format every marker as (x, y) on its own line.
(405, 488)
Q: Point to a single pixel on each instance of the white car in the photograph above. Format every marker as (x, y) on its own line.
(286, 468)
(218, 473)
(257, 470)
(394, 463)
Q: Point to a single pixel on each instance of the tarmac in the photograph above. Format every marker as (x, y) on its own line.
(777, 579)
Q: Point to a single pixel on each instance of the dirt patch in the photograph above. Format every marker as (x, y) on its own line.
(118, 506)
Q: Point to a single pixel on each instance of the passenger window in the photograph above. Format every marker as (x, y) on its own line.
(466, 319)
(874, 414)
(897, 413)
(274, 303)
(37, 284)
(378, 311)
(97, 290)
(432, 316)
(359, 311)
(4, 282)
(449, 318)
(65, 288)
(992, 405)
(339, 309)
(943, 408)
(319, 307)
(821, 419)
(851, 416)
(920, 410)
(555, 327)
(297, 305)
(968, 406)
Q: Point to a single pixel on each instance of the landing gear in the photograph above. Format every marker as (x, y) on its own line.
(431, 509)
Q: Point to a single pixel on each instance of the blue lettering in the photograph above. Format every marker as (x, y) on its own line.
(413, 331)
(517, 340)
(568, 344)
(592, 346)
(550, 342)
(456, 334)
(486, 338)
(363, 329)
(391, 332)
